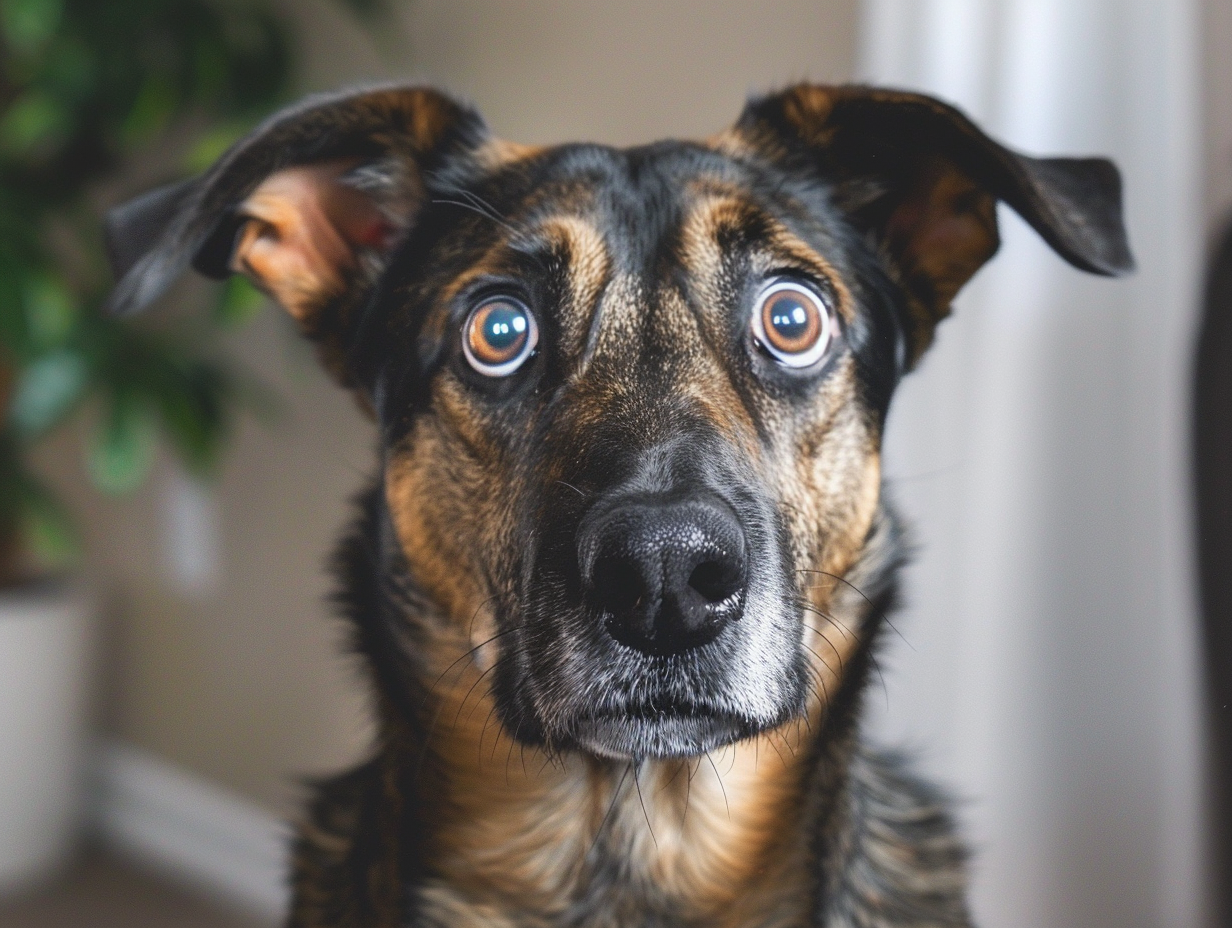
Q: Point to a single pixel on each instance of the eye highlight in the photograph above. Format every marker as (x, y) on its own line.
(499, 335)
(792, 323)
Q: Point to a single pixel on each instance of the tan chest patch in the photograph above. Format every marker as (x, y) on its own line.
(522, 839)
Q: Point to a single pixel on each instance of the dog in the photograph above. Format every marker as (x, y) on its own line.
(620, 575)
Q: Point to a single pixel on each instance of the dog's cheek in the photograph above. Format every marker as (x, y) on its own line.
(450, 513)
(829, 485)
(826, 474)
(427, 517)
(840, 477)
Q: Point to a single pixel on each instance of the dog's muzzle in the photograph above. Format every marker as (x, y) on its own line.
(660, 624)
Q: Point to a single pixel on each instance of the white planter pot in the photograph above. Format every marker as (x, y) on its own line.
(45, 642)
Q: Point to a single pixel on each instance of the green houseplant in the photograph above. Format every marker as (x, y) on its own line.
(85, 86)
(87, 89)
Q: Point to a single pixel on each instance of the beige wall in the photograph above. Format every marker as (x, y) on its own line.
(245, 683)
(623, 73)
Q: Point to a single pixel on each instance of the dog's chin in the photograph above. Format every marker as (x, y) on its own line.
(658, 735)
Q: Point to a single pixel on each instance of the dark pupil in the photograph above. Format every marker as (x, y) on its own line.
(503, 328)
(790, 318)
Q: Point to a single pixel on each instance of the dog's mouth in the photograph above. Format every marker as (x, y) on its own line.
(658, 710)
(603, 699)
(661, 729)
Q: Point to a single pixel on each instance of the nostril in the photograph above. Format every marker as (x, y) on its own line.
(618, 584)
(714, 580)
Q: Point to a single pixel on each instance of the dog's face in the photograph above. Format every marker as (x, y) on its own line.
(631, 401)
(653, 405)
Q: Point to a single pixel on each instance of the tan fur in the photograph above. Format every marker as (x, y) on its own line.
(719, 211)
(942, 233)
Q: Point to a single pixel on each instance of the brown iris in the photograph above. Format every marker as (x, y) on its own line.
(792, 323)
(500, 334)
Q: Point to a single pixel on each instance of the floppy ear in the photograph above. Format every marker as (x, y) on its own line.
(309, 206)
(924, 180)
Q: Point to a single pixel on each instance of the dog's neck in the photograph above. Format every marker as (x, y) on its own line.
(723, 839)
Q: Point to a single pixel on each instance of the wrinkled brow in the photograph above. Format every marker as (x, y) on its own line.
(723, 231)
(576, 251)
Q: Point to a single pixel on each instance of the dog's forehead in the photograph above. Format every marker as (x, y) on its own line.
(639, 201)
(643, 233)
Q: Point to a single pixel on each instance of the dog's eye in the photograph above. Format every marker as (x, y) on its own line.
(792, 323)
(499, 336)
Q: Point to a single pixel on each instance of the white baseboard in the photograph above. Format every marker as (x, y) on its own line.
(192, 830)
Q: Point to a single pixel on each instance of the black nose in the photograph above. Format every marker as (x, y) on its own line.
(666, 575)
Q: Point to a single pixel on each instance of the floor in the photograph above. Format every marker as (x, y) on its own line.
(102, 891)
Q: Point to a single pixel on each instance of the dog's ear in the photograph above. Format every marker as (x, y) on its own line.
(924, 180)
(309, 206)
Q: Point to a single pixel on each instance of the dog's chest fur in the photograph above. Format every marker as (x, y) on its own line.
(677, 842)
(886, 855)
(890, 845)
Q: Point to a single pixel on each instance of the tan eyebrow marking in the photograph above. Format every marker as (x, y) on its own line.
(718, 212)
(497, 153)
(589, 271)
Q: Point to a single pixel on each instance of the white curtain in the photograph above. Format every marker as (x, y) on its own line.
(1047, 667)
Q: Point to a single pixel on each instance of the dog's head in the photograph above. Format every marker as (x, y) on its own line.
(630, 401)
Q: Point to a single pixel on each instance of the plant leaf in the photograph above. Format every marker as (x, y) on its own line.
(207, 149)
(150, 111)
(50, 310)
(46, 391)
(34, 119)
(48, 529)
(194, 415)
(238, 301)
(123, 449)
(27, 24)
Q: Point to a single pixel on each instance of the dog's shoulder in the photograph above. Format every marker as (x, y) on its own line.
(356, 851)
(330, 855)
(897, 859)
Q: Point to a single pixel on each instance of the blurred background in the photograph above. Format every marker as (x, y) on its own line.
(189, 474)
